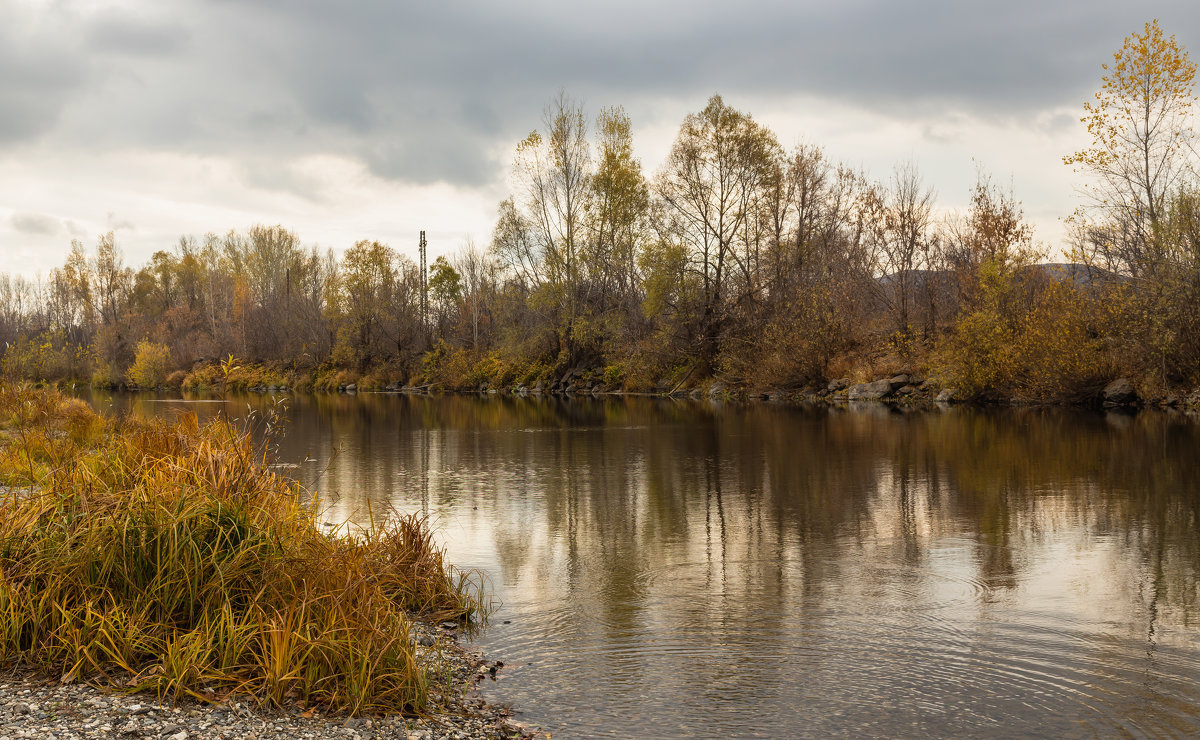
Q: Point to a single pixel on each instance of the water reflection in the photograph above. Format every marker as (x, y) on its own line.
(675, 569)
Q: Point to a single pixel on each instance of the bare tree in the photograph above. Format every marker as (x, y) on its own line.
(720, 159)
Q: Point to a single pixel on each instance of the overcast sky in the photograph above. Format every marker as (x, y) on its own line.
(353, 120)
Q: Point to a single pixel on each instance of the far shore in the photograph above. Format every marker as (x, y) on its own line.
(900, 390)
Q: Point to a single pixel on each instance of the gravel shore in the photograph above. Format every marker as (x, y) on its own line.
(33, 707)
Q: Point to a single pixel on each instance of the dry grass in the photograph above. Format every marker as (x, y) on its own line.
(167, 556)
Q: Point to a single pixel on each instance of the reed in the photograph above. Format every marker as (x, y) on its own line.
(168, 556)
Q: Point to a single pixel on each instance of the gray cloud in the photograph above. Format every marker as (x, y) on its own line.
(282, 176)
(427, 92)
(40, 73)
(138, 34)
(36, 223)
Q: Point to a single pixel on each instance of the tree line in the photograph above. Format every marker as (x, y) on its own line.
(738, 259)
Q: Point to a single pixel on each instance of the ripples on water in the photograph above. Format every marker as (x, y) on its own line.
(680, 570)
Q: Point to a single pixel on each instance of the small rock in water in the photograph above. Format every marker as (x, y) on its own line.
(449, 625)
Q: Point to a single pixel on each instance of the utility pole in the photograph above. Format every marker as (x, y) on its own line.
(424, 286)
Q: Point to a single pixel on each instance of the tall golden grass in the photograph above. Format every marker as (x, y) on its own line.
(167, 556)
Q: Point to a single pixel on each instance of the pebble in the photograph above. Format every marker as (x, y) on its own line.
(32, 707)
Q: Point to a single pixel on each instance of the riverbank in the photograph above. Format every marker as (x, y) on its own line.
(903, 390)
(34, 706)
(167, 559)
(896, 386)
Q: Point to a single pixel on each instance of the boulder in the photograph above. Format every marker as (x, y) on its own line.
(876, 390)
(1120, 392)
(351, 387)
(837, 385)
(948, 395)
(571, 374)
(897, 382)
(716, 389)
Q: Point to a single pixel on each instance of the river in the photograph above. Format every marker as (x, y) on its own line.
(688, 569)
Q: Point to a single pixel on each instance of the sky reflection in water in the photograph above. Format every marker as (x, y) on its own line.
(670, 569)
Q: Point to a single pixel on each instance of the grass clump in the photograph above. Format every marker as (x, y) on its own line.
(167, 556)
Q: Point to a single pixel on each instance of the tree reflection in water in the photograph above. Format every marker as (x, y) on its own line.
(678, 568)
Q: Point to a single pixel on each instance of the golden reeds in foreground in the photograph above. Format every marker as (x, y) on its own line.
(167, 556)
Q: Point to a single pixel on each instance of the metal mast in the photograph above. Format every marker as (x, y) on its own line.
(424, 284)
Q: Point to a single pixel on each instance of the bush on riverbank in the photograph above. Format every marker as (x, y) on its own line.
(151, 365)
(1031, 340)
(233, 375)
(50, 357)
(167, 556)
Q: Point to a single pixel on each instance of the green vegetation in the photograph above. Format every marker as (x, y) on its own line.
(168, 557)
(739, 261)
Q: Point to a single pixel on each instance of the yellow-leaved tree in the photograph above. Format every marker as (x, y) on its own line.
(1141, 149)
(1142, 161)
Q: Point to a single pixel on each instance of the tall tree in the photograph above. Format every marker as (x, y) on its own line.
(446, 290)
(361, 301)
(720, 159)
(478, 283)
(1141, 141)
(102, 284)
(620, 205)
(554, 169)
(907, 217)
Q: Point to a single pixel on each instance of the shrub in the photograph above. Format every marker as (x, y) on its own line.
(150, 365)
(48, 356)
(1035, 341)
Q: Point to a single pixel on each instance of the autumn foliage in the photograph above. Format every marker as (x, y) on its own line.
(737, 259)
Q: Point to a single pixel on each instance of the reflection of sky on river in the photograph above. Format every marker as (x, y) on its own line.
(674, 570)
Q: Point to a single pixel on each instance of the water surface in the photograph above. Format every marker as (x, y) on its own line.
(678, 569)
